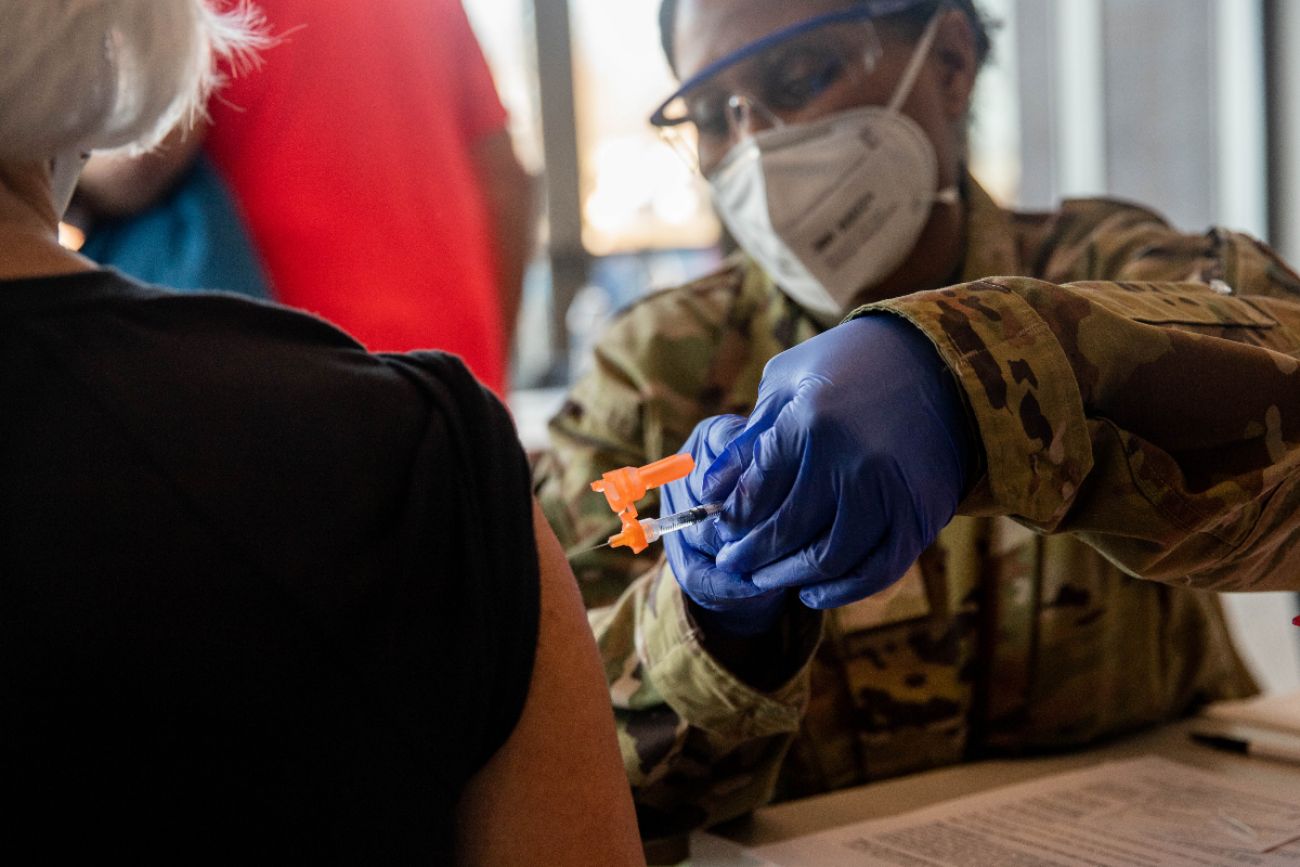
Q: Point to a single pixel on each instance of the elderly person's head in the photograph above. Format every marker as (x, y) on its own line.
(83, 75)
(833, 135)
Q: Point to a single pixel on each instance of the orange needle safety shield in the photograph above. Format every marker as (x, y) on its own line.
(624, 486)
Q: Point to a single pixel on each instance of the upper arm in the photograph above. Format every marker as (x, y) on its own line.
(1158, 422)
(555, 791)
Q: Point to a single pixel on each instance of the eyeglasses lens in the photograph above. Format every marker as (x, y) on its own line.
(775, 86)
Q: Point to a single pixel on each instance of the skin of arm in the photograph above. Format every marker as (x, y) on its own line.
(555, 792)
(508, 193)
(116, 185)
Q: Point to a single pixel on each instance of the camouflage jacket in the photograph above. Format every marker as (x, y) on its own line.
(1131, 428)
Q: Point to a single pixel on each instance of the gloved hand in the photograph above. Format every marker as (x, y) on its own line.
(853, 460)
(737, 607)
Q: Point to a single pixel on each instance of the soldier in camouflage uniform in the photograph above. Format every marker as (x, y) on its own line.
(1022, 628)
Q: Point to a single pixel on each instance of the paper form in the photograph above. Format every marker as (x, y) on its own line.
(1147, 812)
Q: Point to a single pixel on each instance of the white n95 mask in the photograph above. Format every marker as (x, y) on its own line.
(834, 206)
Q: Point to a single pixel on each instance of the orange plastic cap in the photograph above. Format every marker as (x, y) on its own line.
(624, 486)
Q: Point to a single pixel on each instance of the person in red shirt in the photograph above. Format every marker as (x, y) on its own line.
(369, 155)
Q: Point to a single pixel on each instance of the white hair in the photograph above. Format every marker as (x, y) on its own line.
(99, 74)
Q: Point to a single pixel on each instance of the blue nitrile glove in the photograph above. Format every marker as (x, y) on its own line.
(736, 605)
(852, 462)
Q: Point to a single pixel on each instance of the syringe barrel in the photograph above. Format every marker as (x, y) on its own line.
(656, 528)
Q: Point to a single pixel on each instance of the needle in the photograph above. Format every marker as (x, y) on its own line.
(657, 528)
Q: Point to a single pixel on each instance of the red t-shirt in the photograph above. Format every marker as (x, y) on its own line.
(349, 151)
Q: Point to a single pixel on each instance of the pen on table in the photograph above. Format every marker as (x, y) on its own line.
(1280, 749)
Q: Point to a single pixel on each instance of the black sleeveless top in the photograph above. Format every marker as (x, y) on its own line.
(263, 596)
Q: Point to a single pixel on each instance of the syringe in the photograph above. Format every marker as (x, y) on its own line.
(650, 530)
(624, 486)
(657, 528)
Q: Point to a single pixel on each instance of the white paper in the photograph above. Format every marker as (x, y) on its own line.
(1147, 812)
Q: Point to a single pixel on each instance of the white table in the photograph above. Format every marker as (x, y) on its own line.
(892, 797)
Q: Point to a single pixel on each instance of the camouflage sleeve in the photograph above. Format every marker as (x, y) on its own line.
(598, 429)
(638, 403)
(1158, 422)
(698, 743)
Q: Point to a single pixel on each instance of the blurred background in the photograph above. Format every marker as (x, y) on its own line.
(1188, 106)
(1180, 104)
